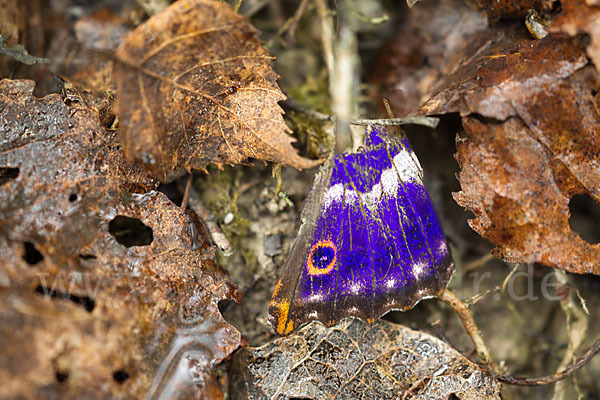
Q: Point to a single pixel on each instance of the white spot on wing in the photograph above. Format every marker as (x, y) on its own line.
(408, 167)
(390, 283)
(442, 249)
(315, 297)
(336, 194)
(389, 182)
(419, 269)
(372, 197)
(333, 195)
(355, 288)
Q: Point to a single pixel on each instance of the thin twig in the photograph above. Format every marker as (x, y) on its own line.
(478, 263)
(186, 192)
(577, 325)
(296, 19)
(507, 279)
(326, 33)
(480, 296)
(425, 121)
(467, 319)
(546, 380)
(431, 122)
(465, 315)
(289, 25)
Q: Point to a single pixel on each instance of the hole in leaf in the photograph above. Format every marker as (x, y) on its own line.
(73, 197)
(62, 376)
(224, 305)
(585, 213)
(8, 174)
(84, 301)
(171, 191)
(130, 231)
(87, 256)
(31, 255)
(120, 376)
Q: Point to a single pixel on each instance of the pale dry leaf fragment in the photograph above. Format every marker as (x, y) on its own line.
(196, 87)
(355, 360)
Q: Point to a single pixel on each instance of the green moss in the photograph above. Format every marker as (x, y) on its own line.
(313, 93)
(219, 192)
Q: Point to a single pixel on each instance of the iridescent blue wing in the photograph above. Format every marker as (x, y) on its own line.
(369, 242)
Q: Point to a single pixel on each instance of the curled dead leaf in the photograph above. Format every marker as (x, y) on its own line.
(196, 87)
(541, 89)
(519, 192)
(508, 68)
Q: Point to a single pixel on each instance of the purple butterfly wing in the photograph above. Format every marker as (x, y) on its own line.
(369, 242)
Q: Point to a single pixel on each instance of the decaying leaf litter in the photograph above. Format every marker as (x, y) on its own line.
(176, 270)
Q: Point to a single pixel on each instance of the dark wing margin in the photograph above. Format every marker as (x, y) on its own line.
(282, 307)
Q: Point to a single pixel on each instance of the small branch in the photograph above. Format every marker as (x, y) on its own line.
(546, 380)
(20, 54)
(431, 122)
(296, 19)
(466, 318)
(186, 192)
(480, 296)
(478, 263)
(425, 121)
(290, 25)
(326, 33)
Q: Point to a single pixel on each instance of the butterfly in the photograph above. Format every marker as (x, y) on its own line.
(369, 242)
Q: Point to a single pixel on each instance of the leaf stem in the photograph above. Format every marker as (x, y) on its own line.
(466, 317)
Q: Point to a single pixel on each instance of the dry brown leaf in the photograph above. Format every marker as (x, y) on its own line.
(577, 17)
(510, 68)
(356, 360)
(421, 51)
(519, 192)
(196, 87)
(101, 274)
(543, 83)
(86, 63)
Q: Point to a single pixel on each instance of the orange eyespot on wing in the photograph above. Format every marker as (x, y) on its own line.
(321, 258)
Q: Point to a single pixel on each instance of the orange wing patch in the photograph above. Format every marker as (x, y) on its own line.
(284, 326)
